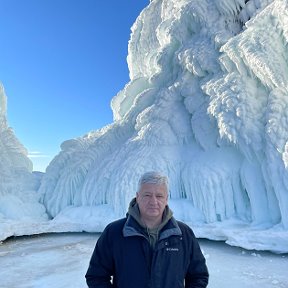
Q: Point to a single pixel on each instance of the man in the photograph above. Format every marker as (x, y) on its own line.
(148, 248)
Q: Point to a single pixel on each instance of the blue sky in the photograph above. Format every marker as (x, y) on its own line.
(61, 62)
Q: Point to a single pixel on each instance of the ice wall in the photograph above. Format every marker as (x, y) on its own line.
(206, 104)
(19, 199)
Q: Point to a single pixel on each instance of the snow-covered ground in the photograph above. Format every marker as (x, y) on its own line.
(61, 260)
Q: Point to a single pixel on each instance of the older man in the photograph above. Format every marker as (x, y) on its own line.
(148, 248)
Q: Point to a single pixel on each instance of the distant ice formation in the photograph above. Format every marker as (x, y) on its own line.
(19, 199)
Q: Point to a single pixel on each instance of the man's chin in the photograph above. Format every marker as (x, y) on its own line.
(154, 213)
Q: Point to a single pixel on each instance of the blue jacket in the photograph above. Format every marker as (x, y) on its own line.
(124, 256)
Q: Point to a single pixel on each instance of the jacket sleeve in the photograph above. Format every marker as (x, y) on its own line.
(197, 275)
(101, 263)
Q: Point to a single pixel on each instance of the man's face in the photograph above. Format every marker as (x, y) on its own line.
(152, 200)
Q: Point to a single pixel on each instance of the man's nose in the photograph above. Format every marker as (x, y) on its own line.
(153, 199)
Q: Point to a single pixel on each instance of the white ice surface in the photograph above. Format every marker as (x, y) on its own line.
(61, 261)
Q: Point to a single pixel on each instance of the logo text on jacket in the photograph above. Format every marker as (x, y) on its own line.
(172, 249)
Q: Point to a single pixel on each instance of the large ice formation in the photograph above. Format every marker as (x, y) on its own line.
(207, 105)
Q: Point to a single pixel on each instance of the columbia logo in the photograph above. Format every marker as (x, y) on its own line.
(172, 249)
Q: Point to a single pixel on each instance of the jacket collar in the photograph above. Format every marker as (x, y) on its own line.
(132, 228)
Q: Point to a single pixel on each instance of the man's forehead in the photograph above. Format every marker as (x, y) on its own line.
(153, 187)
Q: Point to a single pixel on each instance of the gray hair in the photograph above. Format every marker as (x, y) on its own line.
(153, 177)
